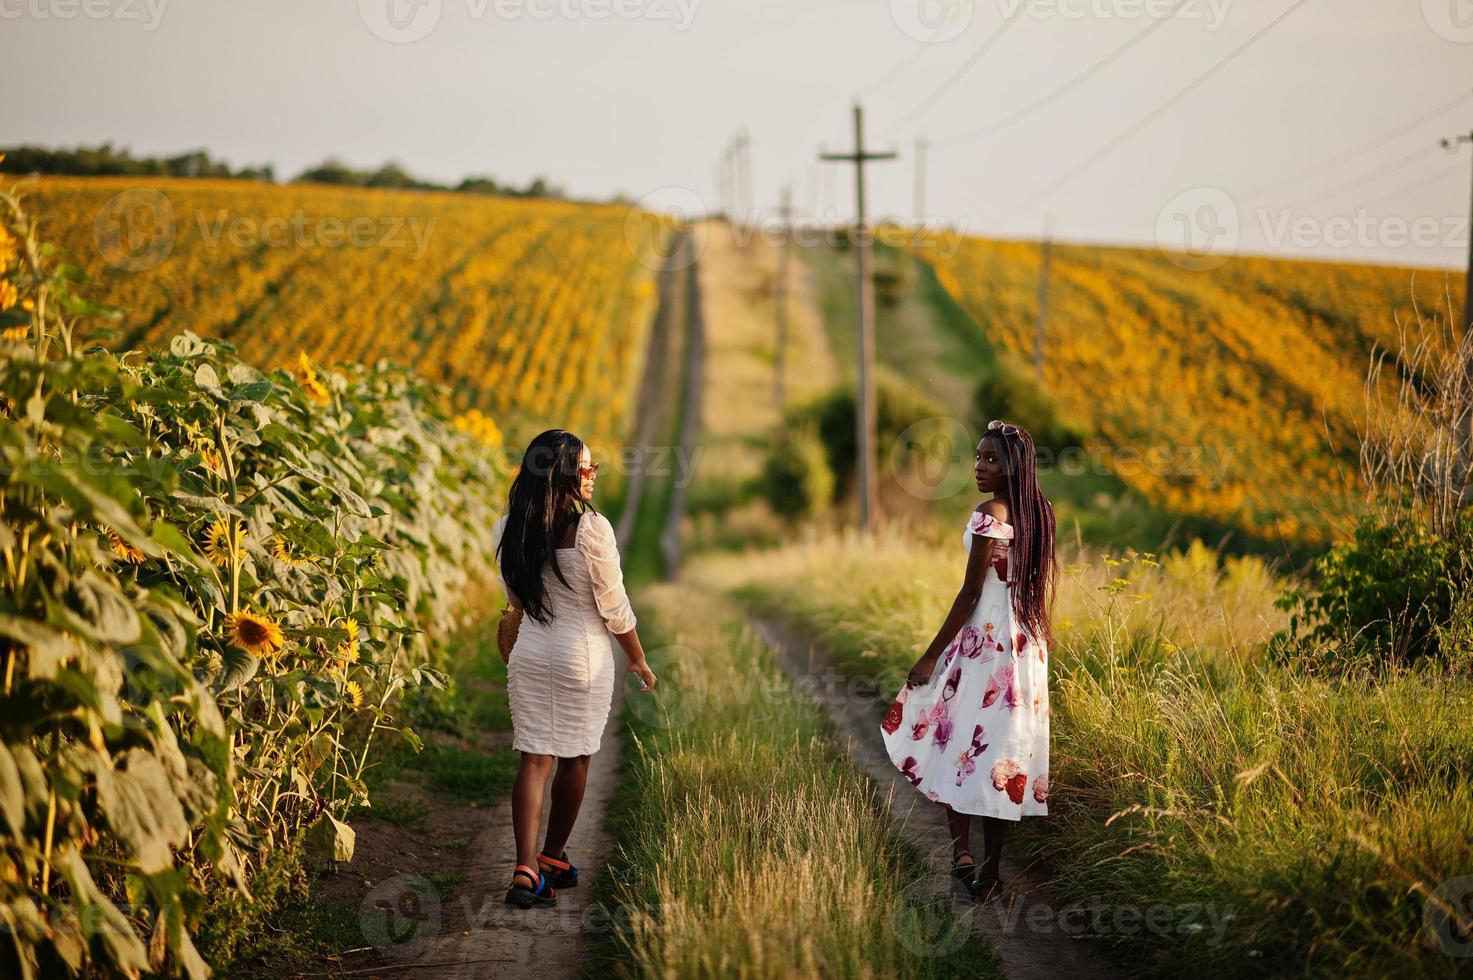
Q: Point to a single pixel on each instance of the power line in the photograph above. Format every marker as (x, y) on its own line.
(957, 75)
(1419, 182)
(1372, 144)
(1151, 116)
(1420, 153)
(909, 60)
(1067, 87)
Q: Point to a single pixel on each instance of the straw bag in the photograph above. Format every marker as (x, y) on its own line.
(506, 631)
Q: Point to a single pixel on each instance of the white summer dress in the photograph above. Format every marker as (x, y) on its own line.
(975, 736)
(560, 676)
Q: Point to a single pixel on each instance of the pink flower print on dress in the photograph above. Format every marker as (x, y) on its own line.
(981, 523)
(942, 722)
(1020, 643)
(1008, 681)
(967, 764)
(1008, 776)
(971, 642)
(1004, 681)
(934, 796)
(1040, 788)
(908, 770)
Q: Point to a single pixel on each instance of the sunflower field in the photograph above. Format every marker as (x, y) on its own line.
(218, 580)
(1233, 393)
(523, 309)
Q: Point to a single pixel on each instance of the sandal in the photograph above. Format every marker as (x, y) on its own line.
(988, 888)
(964, 873)
(541, 895)
(563, 874)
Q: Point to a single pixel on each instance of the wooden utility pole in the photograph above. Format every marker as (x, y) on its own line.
(1465, 484)
(920, 190)
(780, 298)
(1040, 327)
(741, 148)
(864, 317)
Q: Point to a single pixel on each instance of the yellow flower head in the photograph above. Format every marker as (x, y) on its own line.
(317, 391)
(347, 651)
(17, 333)
(209, 458)
(253, 633)
(124, 550)
(353, 694)
(8, 294)
(217, 544)
(282, 552)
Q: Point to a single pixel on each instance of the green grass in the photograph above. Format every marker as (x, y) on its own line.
(1306, 820)
(750, 846)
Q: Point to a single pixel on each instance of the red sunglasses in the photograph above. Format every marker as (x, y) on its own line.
(587, 472)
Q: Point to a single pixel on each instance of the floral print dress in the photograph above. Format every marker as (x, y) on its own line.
(975, 736)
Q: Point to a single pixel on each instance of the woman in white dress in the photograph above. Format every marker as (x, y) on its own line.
(970, 729)
(559, 564)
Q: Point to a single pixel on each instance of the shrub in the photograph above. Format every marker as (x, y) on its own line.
(898, 407)
(1394, 594)
(1011, 394)
(796, 479)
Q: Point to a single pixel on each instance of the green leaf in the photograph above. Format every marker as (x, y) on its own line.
(332, 838)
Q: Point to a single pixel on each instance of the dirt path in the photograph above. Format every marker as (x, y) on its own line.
(1025, 925)
(474, 934)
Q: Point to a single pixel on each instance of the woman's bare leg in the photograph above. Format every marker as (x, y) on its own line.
(526, 804)
(960, 825)
(567, 797)
(994, 830)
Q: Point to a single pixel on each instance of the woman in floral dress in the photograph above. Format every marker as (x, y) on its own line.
(970, 727)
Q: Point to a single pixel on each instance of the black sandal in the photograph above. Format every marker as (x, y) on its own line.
(542, 895)
(562, 873)
(964, 873)
(988, 888)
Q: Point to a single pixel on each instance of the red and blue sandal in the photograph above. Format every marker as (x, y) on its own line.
(563, 874)
(541, 895)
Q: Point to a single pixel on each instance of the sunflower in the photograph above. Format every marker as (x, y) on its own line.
(253, 633)
(17, 334)
(124, 550)
(8, 295)
(217, 544)
(210, 458)
(346, 653)
(353, 694)
(281, 552)
(317, 391)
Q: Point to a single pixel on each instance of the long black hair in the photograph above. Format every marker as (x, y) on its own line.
(542, 502)
(1032, 571)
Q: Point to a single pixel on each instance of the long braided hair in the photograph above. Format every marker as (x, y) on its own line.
(542, 502)
(1032, 567)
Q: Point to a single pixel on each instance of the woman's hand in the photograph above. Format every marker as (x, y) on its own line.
(641, 668)
(921, 672)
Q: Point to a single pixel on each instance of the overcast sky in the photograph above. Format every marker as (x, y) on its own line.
(642, 96)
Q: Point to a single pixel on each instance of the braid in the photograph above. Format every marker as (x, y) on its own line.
(1033, 571)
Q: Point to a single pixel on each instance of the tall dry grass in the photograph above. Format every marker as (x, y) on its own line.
(1309, 822)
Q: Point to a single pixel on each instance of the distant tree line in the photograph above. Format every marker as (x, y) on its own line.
(106, 160)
